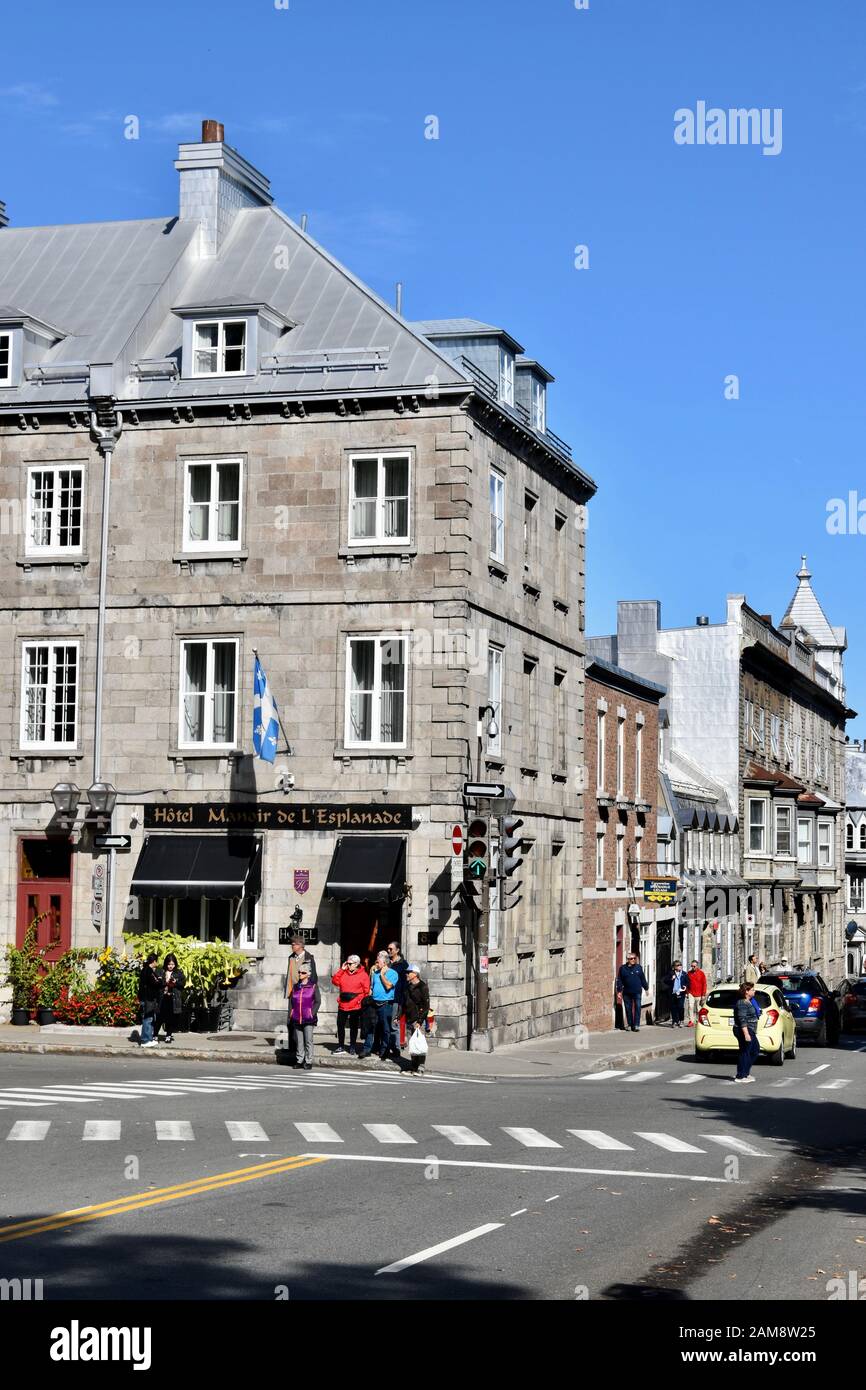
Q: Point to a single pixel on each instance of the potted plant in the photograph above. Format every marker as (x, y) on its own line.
(66, 973)
(22, 974)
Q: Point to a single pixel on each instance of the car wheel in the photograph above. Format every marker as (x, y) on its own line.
(777, 1058)
(821, 1035)
(792, 1053)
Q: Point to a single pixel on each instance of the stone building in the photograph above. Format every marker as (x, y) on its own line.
(620, 807)
(377, 508)
(760, 711)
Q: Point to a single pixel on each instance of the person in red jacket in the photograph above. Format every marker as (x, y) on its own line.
(697, 995)
(353, 982)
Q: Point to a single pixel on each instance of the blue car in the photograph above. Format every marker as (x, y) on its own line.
(814, 1005)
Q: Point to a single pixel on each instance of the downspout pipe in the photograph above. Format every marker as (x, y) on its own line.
(105, 427)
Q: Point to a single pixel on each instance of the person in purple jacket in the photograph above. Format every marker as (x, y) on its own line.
(303, 1017)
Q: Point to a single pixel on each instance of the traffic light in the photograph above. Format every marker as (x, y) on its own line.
(477, 849)
(510, 840)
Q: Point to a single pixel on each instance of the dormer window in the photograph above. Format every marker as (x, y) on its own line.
(5, 359)
(506, 376)
(538, 402)
(220, 347)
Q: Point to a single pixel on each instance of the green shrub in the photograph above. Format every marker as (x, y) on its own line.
(207, 966)
(23, 968)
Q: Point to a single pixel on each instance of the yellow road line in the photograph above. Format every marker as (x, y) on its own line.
(195, 1188)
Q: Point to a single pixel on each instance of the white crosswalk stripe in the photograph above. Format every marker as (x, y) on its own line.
(730, 1141)
(531, 1138)
(668, 1142)
(29, 1129)
(240, 1130)
(174, 1129)
(603, 1075)
(689, 1079)
(317, 1133)
(599, 1140)
(460, 1135)
(390, 1134)
(643, 1076)
(101, 1129)
(832, 1085)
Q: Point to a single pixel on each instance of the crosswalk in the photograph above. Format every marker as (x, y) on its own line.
(84, 1093)
(691, 1078)
(389, 1134)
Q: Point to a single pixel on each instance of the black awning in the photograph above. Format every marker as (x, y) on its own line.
(368, 869)
(198, 866)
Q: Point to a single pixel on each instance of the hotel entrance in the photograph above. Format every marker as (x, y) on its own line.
(368, 878)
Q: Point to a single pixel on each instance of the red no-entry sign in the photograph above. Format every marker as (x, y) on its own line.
(457, 839)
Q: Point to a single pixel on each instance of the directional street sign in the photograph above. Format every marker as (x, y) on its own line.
(112, 842)
(484, 789)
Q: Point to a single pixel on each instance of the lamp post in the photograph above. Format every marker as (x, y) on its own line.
(102, 797)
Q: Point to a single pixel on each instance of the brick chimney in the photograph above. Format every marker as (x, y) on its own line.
(4, 219)
(215, 184)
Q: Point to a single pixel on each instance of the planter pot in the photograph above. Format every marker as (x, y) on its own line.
(21, 1017)
(44, 1016)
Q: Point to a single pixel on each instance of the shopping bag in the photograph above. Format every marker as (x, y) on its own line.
(417, 1044)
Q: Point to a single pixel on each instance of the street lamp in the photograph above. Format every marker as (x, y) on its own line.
(492, 730)
(65, 797)
(102, 797)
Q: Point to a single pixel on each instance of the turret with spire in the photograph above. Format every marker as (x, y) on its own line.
(805, 614)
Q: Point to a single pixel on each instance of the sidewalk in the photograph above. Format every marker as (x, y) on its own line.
(548, 1057)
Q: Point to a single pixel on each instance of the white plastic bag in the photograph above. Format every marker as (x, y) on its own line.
(417, 1044)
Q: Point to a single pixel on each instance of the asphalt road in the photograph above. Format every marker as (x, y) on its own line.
(121, 1179)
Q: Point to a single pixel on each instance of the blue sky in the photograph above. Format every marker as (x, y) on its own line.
(555, 129)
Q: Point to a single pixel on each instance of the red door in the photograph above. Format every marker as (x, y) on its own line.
(45, 894)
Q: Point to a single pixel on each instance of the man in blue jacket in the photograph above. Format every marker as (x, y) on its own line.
(630, 984)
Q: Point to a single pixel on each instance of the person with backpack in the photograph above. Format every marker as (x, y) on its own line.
(303, 1018)
(353, 983)
(149, 995)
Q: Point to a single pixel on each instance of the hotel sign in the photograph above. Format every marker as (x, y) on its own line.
(208, 815)
(660, 890)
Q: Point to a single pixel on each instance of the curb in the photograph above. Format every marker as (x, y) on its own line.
(267, 1057)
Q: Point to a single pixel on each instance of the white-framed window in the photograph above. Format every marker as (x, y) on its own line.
(804, 839)
(220, 347)
(494, 696)
(825, 844)
(855, 893)
(849, 836)
(599, 855)
(209, 919)
(620, 858)
(638, 761)
(757, 825)
(783, 829)
(775, 731)
(748, 722)
(378, 498)
(601, 721)
(5, 358)
(49, 694)
(376, 675)
(497, 515)
(55, 510)
(506, 376)
(212, 504)
(208, 693)
(863, 835)
(620, 755)
(538, 405)
(759, 726)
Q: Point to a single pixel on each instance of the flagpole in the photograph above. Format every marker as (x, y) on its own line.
(289, 749)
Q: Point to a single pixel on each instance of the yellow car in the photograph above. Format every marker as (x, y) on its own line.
(714, 1028)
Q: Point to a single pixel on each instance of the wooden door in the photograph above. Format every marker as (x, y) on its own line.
(45, 894)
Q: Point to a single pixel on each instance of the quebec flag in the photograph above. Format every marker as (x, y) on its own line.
(266, 726)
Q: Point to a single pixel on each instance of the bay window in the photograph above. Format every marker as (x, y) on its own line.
(757, 825)
(804, 840)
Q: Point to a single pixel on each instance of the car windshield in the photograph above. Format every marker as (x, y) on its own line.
(793, 984)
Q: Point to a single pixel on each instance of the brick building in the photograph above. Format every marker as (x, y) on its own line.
(620, 834)
(377, 508)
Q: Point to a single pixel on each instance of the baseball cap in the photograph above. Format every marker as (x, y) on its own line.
(356, 959)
